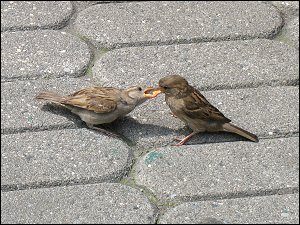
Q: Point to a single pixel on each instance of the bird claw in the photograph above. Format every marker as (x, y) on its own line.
(180, 142)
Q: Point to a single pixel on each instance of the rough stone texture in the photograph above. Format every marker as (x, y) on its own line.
(212, 65)
(265, 111)
(287, 8)
(20, 111)
(29, 15)
(36, 54)
(84, 4)
(151, 124)
(275, 209)
(61, 157)
(170, 22)
(93, 204)
(220, 170)
(291, 32)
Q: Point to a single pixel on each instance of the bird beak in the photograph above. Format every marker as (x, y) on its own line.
(151, 92)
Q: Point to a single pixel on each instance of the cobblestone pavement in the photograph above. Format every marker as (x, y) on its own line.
(242, 55)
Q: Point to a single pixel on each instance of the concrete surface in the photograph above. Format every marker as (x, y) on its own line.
(243, 56)
(99, 203)
(69, 156)
(141, 23)
(279, 209)
(28, 15)
(213, 65)
(23, 112)
(36, 54)
(220, 169)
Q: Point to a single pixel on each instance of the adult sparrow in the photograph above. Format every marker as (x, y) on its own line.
(190, 106)
(100, 105)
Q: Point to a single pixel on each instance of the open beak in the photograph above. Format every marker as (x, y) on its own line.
(151, 92)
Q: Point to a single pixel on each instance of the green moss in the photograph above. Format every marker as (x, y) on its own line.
(284, 39)
(161, 204)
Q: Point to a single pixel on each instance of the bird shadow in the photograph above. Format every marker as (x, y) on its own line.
(126, 127)
(131, 130)
(64, 112)
(134, 130)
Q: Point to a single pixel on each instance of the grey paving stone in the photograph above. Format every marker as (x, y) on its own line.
(275, 209)
(93, 204)
(36, 54)
(20, 111)
(221, 170)
(265, 111)
(29, 15)
(151, 124)
(291, 31)
(287, 8)
(84, 4)
(61, 157)
(212, 65)
(139, 23)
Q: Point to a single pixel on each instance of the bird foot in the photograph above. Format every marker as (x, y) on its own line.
(180, 142)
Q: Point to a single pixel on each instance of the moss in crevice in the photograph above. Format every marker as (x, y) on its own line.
(161, 204)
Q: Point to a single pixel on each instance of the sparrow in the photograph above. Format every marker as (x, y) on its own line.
(190, 106)
(100, 105)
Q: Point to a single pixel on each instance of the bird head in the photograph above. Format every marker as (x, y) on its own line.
(138, 95)
(173, 85)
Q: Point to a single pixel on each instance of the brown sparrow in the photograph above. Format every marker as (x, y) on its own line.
(99, 105)
(190, 106)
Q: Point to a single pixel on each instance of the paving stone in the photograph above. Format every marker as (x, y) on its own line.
(144, 23)
(61, 157)
(94, 204)
(221, 170)
(287, 8)
(275, 209)
(20, 111)
(84, 4)
(151, 124)
(264, 111)
(36, 54)
(291, 31)
(29, 15)
(212, 65)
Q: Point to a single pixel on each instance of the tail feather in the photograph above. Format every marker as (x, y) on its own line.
(234, 129)
(51, 96)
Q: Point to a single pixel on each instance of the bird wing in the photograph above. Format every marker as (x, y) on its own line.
(96, 99)
(196, 106)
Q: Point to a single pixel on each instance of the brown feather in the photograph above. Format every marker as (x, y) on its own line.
(196, 106)
(229, 127)
(50, 96)
(96, 99)
(189, 105)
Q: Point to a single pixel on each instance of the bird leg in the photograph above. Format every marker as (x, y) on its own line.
(184, 140)
(110, 134)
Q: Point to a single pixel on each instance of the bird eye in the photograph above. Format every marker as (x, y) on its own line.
(140, 89)
(165, 87)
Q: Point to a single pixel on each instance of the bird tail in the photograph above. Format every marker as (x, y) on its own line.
(234, 129)
(51, 96)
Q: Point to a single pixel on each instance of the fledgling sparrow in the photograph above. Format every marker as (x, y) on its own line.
(100, 105)
(190, 106)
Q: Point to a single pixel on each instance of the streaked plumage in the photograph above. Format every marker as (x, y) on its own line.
(189, 105)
